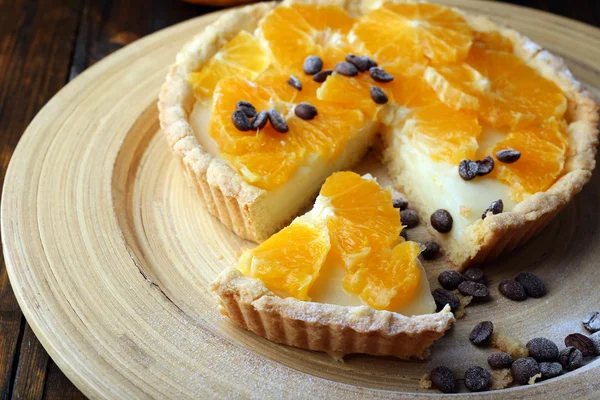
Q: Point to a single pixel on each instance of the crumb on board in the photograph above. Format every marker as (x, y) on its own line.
(220, 257)
(509, 344)
(464, 301)
(501, 378)
(425, 382)
(534, 378)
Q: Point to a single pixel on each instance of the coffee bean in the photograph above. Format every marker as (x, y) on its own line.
(508, 156)
(570, 358)
(312, 65)
(477, 290)
(591, 322)
(477, 379)
(260, 120)
(361, 63)
(596, 339)
(305, 111)
(345, 68)
(379, 75)
(247, 108)
(495, 208)
(534, 287)
(404, 234)
(240, 121)
(321, 76)
(443, 380)
(295, 82)
(512, 290)
(378, 95)
(443, 297)
(550, 370)
(524, 369)
(441, 220)
(581, 343)
(542, 349)
(432, 250)
(409, 218)
(481, 333)
(277, 121)
(450, 279)
(398, 201)
(485, 166)
(475, 274)
(500, 360)
(467, 169)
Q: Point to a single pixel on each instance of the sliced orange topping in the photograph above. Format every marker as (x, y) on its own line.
(492, 41)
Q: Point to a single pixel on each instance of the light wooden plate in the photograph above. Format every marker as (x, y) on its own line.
(110, 253)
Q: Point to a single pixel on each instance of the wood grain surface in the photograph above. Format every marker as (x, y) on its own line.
(170, 249)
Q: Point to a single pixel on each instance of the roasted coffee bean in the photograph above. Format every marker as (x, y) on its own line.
(495, 208)
(260, 120)
(247, 108)
(379, 75)
(581, 343)
(240, 120)
(345, 68)
(591, 322)
(409, 218)
(534, 287)
(362, 63)
(524, 369)
(432, 250)
(321, 76)
(369, 61)
(441, 220)
(443, 297)
(508, 156)
(478, 379)
(481, 333)
(500, 360)
(398, 201)
(474, 274)
(312, 65)
(570, 358)
(550, 370)
(485, 166)
(512, 290)
(450, 279)
(477, 290)
(305, 111)
(277, 121)
(467, 169)
(443, 380)
(596, 339)
(378, 95)
(404, 234)
(295, 82)
(542, 349)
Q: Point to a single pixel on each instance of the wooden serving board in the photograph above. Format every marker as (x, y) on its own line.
(110, 252)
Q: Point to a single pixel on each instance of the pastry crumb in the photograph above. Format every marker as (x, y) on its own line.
(337, 357)
(509, 344)
(501, 378)
(465, 211)
(534, 378)
(425, 382)
(220, 257)
(464, 301)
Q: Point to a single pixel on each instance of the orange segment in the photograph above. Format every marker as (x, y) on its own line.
(440, 81)
(492, 41)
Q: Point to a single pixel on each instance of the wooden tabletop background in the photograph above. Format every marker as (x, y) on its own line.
(43, 45)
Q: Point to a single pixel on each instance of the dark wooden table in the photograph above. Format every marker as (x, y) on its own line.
(43, 45)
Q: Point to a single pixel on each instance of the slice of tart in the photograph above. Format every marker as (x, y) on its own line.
(338, 279)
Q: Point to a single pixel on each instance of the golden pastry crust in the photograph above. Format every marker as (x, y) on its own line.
(334, 329)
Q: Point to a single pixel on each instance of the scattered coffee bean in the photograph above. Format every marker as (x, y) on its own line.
(443, 297)
(477, 290)
(591, 322)
(260, 120)
(378, 95)
(581, 343)
(443, 380)
(312, 65)
(362, 63)
(495, 208)
(596, 339)
(404, 234)
(450, 279)
(467, 169)
(409, 218)
(247, 108)
(441, 220)
(512, 290)
(570, 358)
(432, 250)
(500, 360)
(542, 349)
(508, 156)
(369, 61)
(379, 75)
(321, 76)
(485, 166)
(295, 82)
(277, 121)
(524, 369)
(305, 111)
(474, 274)
(478, 379)
(534, 287)
(398, 201)
(345, 68)
(482, 333)
(550, 370)
(240, 120)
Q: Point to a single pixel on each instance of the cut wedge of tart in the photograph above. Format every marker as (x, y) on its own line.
(338, 279)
